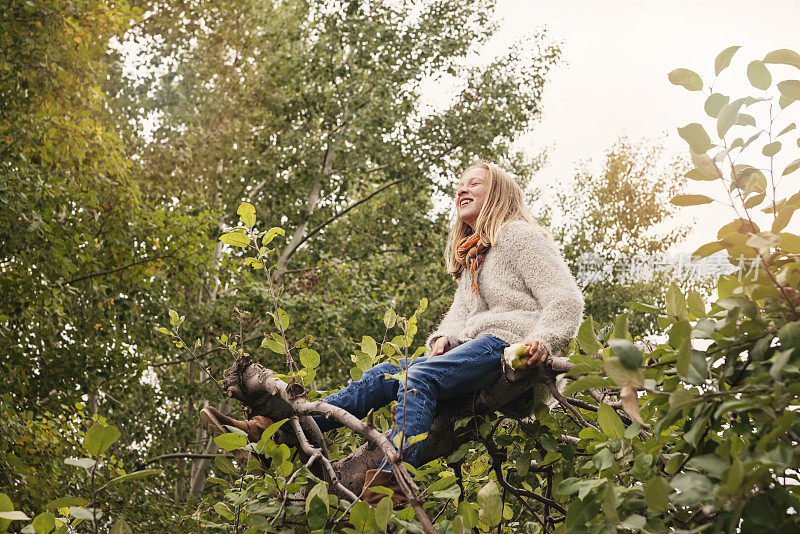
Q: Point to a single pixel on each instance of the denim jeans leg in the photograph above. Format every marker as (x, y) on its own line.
(371, 391)
(457, 372)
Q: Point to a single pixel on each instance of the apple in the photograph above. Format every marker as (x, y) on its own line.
(516, 355)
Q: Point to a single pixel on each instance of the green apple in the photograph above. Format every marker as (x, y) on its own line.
(516, 355)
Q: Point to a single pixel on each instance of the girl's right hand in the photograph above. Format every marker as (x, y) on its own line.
(441, 345)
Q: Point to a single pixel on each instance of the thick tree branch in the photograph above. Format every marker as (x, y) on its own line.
(255, 386)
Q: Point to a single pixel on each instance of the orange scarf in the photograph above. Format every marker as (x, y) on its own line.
(469, 254)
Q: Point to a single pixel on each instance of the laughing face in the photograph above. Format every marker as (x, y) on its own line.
(470, 194)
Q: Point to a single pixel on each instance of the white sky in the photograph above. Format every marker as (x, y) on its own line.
(613, 78)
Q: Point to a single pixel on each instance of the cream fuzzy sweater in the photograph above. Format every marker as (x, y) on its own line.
(525, 293)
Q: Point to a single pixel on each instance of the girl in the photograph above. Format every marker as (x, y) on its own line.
(513, 286)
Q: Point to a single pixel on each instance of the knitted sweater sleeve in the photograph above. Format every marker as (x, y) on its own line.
(551, 283)
(452, 322)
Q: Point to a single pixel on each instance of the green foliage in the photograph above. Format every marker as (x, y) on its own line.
(31, 469)
(310, 115)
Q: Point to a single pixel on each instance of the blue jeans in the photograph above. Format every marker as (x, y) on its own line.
(455, 373)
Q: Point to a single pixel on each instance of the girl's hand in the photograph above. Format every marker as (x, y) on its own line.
(441, 345)
(537, 353)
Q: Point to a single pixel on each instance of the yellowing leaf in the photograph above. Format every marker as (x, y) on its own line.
(630, 403)
(247, 214)
(235, 239)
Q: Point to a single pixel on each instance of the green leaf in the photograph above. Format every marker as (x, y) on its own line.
(225, 465)
(236, 238)
(423, 305)
(603, 459)
(696, 136)
(82, 513)
(676, 305)
(788, 128)
(390, 318)
(723, 59)
(683, 357)
(85, 463)
(5, 506)
(136, 475)
(694, 489)
(44, 523)
(273, 345)
(320, 491)
(714, 104)
(270, 235)
(223, 510)
(727, 116)
(705, 168)
(65, 502)
(628, 353)
(382, 513)
(783, 56)
(317, 514)
(364, 362)
(369, 346)
(695, 304)
(686, 78)
(586, 338)
(309, 358)
(634, 522)
(610, 423)
(586, 382)
(121, 527)
(491, 511)
(707, 250)
(620, 330)
(793, 166)
(267, 435)
(690, 200)
(468, 514)
(656, 493)
(771, 149)
(790, 90)
(247, 214)
(416, 439)
(609, 505)
(679, 332)
(14, 515)
(759, 75)
(642, 466)
(283, 317)
(230, 441)
(99, 438)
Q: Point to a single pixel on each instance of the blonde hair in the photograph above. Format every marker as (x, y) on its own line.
(503, 203)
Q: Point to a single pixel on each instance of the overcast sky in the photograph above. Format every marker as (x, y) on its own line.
(613, 79)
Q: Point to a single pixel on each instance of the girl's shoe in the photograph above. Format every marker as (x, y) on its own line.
(215, 422)
(387, 480)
